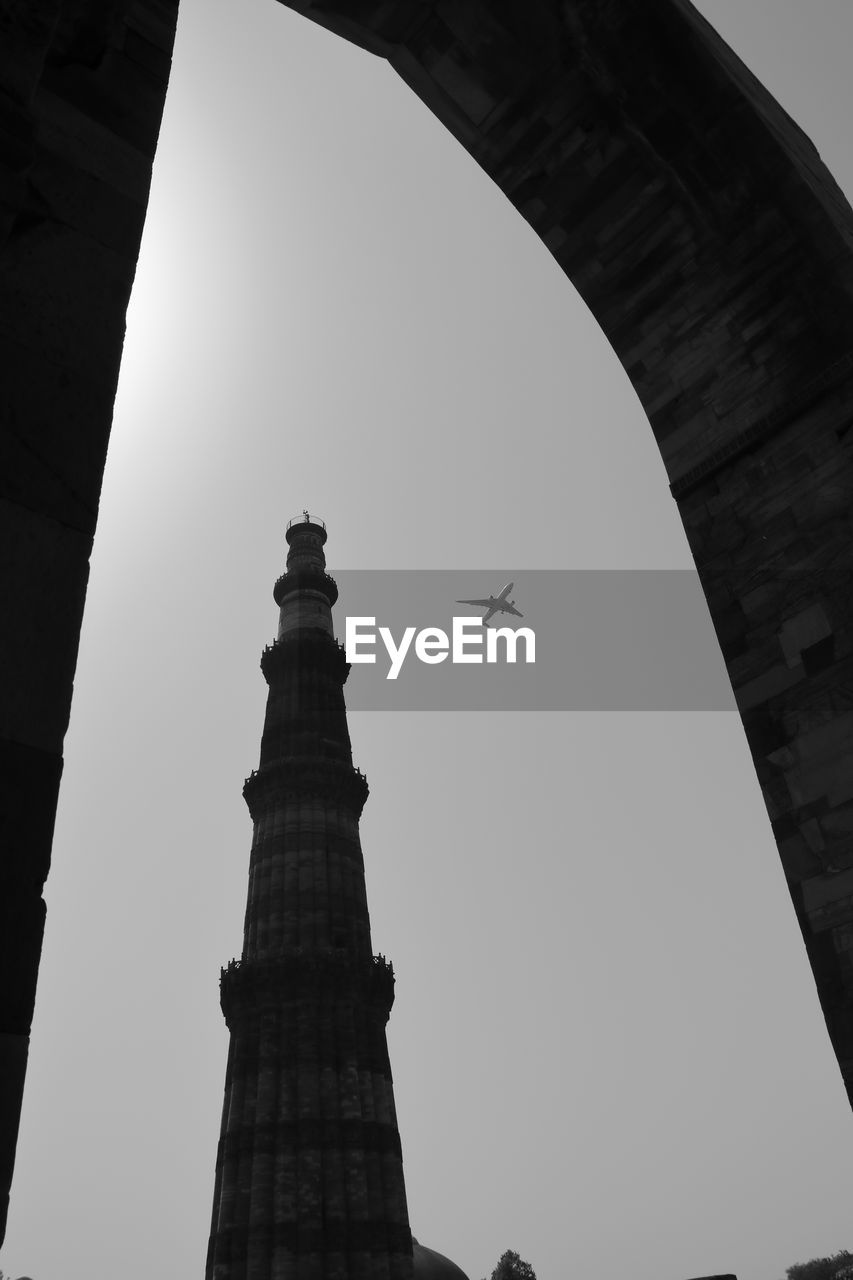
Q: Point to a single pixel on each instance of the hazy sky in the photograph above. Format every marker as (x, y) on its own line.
(607, 1047)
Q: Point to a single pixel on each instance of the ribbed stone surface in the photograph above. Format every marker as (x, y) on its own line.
(309, 1175)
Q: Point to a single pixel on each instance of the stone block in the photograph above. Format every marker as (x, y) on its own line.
(27, 30)
(57, 426)
(60, 286)
(838, 823)
(44, 568)
(828, 899)
(801, 631)
(829, 777)
(87, 203)
(770, 684)
(154, 20)
(91, 146)
(798, 861)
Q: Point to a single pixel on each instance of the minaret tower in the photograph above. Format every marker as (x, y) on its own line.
(309, 1173)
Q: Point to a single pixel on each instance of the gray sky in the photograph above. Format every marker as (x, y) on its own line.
(607, 1048)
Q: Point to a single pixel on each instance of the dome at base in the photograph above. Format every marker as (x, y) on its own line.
(430, 1265)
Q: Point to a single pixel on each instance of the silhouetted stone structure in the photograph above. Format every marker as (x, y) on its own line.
(695, 219)
(429, 1264)
(82, 84)
(714, 249)
(309, 1173)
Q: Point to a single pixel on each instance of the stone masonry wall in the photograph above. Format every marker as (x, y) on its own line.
(82, 86)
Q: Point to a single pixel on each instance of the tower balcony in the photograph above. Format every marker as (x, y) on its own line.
(306, 520)
(332, 781)
(249, 986)
(301, 651)
(305, 577)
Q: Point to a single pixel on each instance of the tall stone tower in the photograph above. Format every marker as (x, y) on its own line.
(309, 1173)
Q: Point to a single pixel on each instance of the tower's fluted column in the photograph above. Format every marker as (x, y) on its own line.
(309, 1174)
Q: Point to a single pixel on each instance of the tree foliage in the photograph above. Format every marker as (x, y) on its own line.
(821, 1268)
(511, 1267)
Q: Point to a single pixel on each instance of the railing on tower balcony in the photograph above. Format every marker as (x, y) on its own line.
(258, 982)
(305, 579)
(305, 518)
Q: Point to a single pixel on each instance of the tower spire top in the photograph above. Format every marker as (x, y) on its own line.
(298, 522)
(305, 593)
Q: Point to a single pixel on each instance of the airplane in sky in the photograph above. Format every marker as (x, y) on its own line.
(496, 604)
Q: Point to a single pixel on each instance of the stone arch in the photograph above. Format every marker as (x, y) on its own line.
(694, 218)
(701, 228)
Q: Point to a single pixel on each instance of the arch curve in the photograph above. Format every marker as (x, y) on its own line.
(695, 219)
(715, 250)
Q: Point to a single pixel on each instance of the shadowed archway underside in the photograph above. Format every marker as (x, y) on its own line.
(715, 250)
(694, 218)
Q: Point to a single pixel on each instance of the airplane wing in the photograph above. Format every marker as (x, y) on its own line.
(490, 605)
(510, 608)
